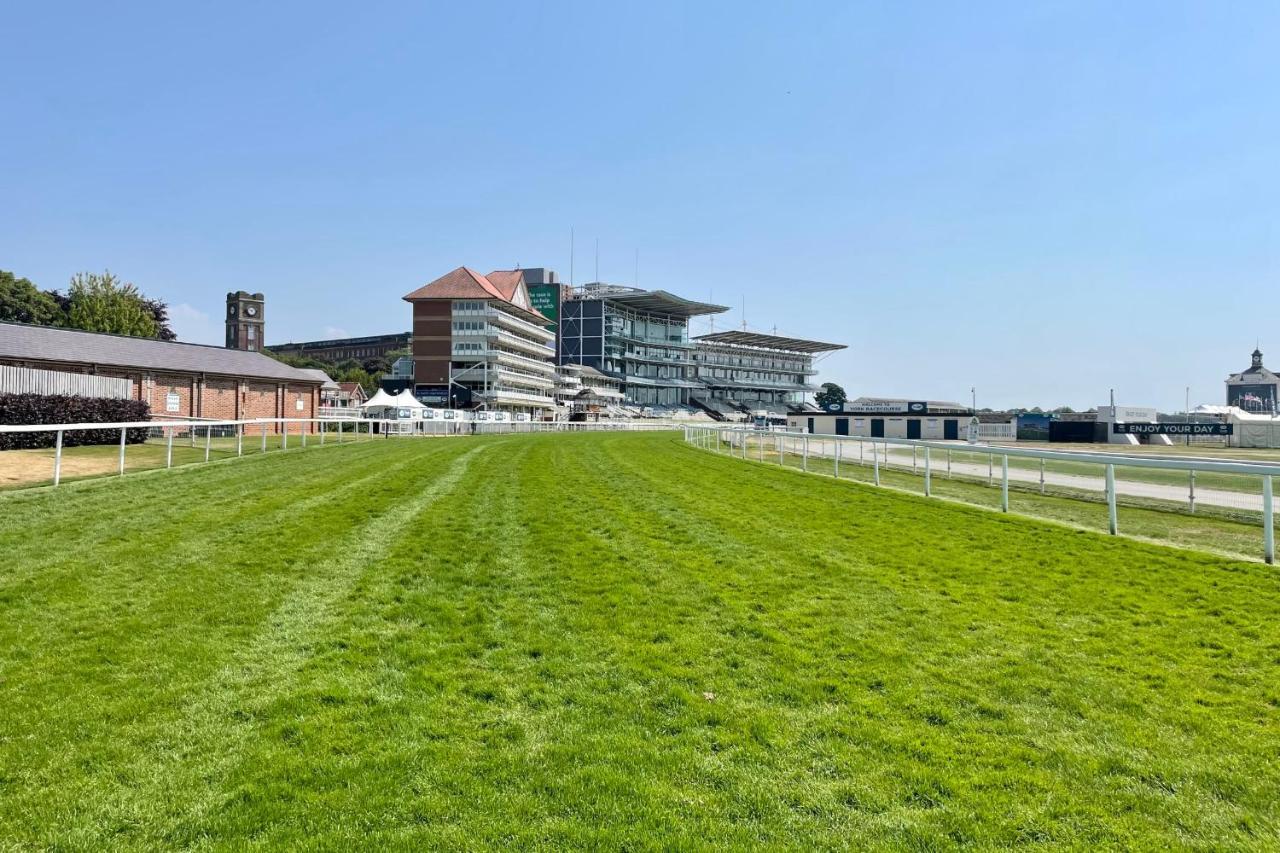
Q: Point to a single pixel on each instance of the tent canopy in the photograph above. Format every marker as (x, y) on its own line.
(380, 400)
(406, 400)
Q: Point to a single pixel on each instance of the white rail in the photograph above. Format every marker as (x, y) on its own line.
(770, 445)
(319, 430)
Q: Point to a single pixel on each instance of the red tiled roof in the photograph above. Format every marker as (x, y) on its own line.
(350, 387)
(506, 281)
(462, 283)
(466, 283)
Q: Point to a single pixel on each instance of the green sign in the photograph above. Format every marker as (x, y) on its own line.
(545, 299)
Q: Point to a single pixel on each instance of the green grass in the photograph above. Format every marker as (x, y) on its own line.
(613, 640)
(20, 469)
(1228, 531)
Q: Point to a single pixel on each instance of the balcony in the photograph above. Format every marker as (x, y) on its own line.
(510, 395)
(507, 357)
(498, 374)
(510, 321)
(524, 345)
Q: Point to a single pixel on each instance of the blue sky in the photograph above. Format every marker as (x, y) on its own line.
(1044, 200)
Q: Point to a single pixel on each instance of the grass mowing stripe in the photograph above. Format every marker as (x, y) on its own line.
(219, 603)
(526, 667)
(173, 503)
(241, 516)
(661, 480)
(219, 720)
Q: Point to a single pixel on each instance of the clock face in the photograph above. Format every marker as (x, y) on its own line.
(251, 311)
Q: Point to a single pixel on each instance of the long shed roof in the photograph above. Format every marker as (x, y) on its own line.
(19, 341)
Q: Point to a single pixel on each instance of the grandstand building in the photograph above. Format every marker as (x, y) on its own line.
(743, 372)
(584, 393)
(478, 342)
(639, 337)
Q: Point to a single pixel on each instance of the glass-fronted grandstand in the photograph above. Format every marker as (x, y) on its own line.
(740, 372)
(640, 337)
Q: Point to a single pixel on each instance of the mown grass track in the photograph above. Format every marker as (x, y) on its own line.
(612, 640)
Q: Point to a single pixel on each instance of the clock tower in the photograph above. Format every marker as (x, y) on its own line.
(245, 323)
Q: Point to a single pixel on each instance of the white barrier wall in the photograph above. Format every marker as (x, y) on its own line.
(932, 427)
(31, 380)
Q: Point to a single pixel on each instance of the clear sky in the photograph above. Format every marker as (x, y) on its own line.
(1045, 200)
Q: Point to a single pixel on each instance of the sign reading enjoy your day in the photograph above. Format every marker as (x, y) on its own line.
(1173, 429)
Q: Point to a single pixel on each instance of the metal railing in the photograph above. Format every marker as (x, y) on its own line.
(172, 443)
(1151, 481)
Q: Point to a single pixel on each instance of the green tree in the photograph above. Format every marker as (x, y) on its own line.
(102, 303)
(160, 313)
(22, 302)
(830, 394)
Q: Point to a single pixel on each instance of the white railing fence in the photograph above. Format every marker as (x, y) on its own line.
(1150, 480)
(198, 440)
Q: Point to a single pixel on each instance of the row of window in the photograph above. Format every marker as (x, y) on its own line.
(770, 363)
(469, 325)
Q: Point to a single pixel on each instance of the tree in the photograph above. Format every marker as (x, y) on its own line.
(22, 302)
(830, 394)
(160, 313)
(102, 303)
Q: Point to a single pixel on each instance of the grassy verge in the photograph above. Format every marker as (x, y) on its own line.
(613, 640)
(21, 469)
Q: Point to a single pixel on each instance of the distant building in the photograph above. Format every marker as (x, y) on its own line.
(342, 349)
(478, 341)
(639, 337)
(176, 380)
(893, 417)
(1256, 389)
(246, 321)
(743, 372)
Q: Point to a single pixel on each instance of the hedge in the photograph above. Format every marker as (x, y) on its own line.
(61, 409)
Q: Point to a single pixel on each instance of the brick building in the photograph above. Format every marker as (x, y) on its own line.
(176, 380)
(478, 341)
(341, 349)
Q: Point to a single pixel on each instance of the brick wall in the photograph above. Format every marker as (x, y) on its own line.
(432, 341)
(222, 398)
(218, 399)
(161, 386)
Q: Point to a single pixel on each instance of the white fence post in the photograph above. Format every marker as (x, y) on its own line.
(991, 461)
(839, 444)
(1111, 500)
(239, 439)
(208, 441)
(875, 457)
(264, 437)
(805, 451)
(1268, 522)
(913, 458)
(304, 429)
(284, 435)
(123, 432)
(57, 459)
(928, 480)
(168, 450)
(1041, 475)
(948, 463)
(1191, 492)
(1004, 483)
